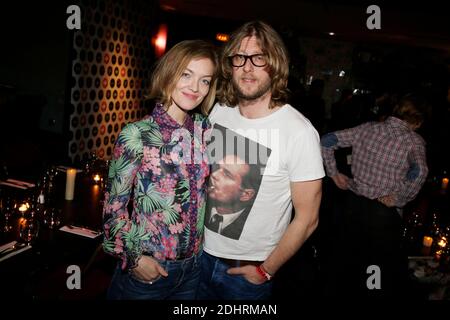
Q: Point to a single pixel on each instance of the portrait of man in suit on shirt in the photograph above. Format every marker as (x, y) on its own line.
(232, 190)
(236, 174)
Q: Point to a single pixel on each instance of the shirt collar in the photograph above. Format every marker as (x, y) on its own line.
(397, 123)
(162, 118)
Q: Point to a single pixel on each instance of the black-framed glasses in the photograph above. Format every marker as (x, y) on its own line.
(258, 60)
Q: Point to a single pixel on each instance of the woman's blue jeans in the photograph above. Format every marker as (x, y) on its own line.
(180, 284)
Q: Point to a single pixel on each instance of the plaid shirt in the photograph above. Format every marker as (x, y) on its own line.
(388, 158)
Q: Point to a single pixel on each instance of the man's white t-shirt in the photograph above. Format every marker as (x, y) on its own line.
(295, 156)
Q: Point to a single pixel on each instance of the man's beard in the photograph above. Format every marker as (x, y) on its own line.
(261, 91)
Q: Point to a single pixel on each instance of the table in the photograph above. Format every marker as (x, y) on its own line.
(41, 273)
(431, 276)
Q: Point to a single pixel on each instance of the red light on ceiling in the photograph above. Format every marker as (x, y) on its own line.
(222, 37)
(160, 40)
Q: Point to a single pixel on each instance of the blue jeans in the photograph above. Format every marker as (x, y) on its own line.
(216, 284)
(180, 284)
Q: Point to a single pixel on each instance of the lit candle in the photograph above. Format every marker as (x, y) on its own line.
(22, 222)
(427, 241)
(442, 242)
(23, 207)
(444, 183)
(70, 183)
(438, 254)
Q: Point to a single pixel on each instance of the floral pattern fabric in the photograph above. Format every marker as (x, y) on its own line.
(160, 168)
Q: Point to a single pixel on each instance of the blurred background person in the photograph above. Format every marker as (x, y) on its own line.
(313, 106)
(388, 169)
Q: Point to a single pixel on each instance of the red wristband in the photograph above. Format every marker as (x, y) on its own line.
(263, 273)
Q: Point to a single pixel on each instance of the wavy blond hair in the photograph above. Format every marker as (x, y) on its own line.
(171, 66)
(411, 108)
(278, 62)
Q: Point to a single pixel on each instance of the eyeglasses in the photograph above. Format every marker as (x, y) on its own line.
(258, 60)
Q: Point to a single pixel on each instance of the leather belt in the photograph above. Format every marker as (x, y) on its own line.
(179, 258)
(239, 263)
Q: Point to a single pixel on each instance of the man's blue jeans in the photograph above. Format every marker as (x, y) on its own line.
(180, 284)
(216, 284)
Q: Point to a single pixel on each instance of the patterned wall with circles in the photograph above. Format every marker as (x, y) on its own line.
(111, 61)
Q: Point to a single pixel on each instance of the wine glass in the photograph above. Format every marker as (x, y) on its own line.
(52, 217)
(28, 229)
(7, 210)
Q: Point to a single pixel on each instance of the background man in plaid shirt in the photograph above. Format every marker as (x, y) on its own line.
(389, 168)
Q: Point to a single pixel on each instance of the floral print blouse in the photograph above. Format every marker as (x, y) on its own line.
(162, 167)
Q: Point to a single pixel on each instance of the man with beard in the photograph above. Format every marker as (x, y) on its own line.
(252, 102)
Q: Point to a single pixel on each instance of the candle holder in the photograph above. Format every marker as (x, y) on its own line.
(23, 208)
(96, 170)
(442, 243)
(427, 241)
(97, 178)
(29, 227)
(442, 182)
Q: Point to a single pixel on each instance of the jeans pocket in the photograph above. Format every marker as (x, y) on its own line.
(142, 281)
(244, 281)
(240, 288)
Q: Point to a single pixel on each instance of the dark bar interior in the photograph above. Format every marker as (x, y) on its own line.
(65, 95)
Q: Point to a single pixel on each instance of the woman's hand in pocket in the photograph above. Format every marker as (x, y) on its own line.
(148, 269)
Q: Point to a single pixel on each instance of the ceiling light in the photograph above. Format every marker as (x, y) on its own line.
(222, 37)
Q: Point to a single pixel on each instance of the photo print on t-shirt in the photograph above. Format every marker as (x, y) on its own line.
(237, 168)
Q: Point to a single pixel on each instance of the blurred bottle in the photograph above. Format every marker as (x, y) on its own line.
(41, 196)
(434, 227)
(39, 199)
(47, 186)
